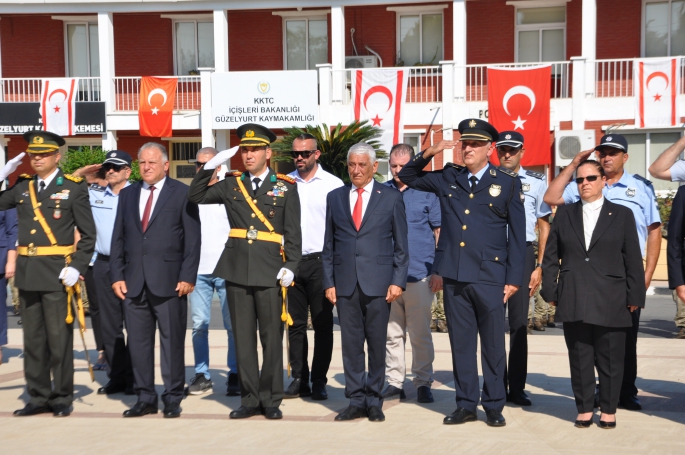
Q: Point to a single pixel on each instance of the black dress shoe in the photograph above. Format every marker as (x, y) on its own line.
(319, 390)
(172, 410)
(31, 410)
(424, 394)
(393, 393)
(61, 410)
(459, 416)
(519, 398)
(273, 413)
(111, 388)
(232, 385)
(351, 413)
(141, 408)
(376, 414)
(607, 425)
(630, 402)
(244, 412)
(495, 418)
(583, 423)
(297, 388)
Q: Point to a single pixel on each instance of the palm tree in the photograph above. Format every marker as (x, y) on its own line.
(333, 144)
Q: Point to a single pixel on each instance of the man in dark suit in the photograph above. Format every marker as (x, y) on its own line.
(154, 258)
(365, 264)
(676, 245)
(50, 206)
(480, 251)
(263, 248)
(8, 262)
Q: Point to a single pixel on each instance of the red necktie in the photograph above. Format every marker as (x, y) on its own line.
(148, 208)
(357, 213)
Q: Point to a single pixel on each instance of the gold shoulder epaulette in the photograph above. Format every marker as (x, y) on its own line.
(73, 178)
(286, 178)
(26, 176)
(236, 173)
(504, 170)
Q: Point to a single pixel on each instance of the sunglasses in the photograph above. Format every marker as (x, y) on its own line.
(590, 178)
(199, 165)
(304, 153)
(115, 167)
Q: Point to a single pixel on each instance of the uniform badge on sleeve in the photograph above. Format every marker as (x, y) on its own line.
(525, 186)
(495, 190)
(630, 192)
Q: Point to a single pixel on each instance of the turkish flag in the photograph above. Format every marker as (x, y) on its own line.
(656, 92)
(518, 100)
(379, 96)
(58, 105)
(156, 105)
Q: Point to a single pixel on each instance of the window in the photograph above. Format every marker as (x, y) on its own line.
(664, 28)
(541, 34)
(83, 52)
(193, 46)
(182, 154)
(306, 43)
(644, 149)
(420, 39)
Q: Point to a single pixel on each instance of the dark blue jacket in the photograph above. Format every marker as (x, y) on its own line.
(8, 234)
(168, 252)
(376, 256)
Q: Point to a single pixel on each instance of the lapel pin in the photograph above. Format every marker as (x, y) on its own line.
(609, 213)
(378, 191)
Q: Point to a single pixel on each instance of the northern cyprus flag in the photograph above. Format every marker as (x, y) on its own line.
(58, 105)
(656, 91)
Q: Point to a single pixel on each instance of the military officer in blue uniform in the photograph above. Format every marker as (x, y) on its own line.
(510, 150)
(636, 193)
(479, 255)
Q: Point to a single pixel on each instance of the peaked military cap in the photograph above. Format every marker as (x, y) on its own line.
(254, 135)
(614, 140)
(510, 138)
(43, 141)
(118, 157)
(474, 129)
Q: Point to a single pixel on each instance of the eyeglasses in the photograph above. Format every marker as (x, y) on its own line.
(114, 167)
(590, 178)
(305, 153)
(199, 164)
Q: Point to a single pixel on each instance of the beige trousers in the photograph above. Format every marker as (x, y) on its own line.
(680, 311)
(410, 314)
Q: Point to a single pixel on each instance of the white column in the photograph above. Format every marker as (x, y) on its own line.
(223, 140)
(106, 48)
(220, 41)
(109, 141)
(578, 97)
(206, 108)
(589, 43)
(447, 106)
(459, 48)
(338, 51)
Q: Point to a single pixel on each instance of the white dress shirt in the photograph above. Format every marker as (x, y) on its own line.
(366, 195)
(313, 203)
(262, 178)
(145, 195)
(590, 216)
(214, 227)
(47, 179)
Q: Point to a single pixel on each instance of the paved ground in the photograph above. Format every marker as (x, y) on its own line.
(308, 427)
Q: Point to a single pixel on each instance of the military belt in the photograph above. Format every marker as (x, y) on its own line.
(58, 250)
(253, 234)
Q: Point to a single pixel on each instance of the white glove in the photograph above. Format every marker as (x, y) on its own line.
(221, 158)
(11, 166)
(286, 277)
(69, 276)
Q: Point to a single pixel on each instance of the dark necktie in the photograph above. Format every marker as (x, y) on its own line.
(255, 182)
(41, 186)
(148, 208)
(474, 181)
(357, 212)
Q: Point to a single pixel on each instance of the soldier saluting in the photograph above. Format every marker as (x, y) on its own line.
(50, 205)
(263, 248)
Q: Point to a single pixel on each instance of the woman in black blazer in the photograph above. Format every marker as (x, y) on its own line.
(592, 271)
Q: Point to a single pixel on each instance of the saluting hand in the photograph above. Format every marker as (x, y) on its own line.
(582, 156)
(509, 290)
(439, 147)
(11, 166)
(184, 288)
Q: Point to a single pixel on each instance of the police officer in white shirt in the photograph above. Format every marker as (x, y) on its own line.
(313, 185)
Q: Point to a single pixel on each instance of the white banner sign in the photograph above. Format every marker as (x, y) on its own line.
(275, 99)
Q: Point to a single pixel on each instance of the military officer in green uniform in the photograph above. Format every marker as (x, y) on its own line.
(50, 206)
(261, 255)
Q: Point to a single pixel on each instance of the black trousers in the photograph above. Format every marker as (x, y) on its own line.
(472, 309)
(143, 313)
(591, 346)
(363, 318)
(628, 387)
(250, 305)
(48, 347)
(515, 375)
(111, 319)
(94, 308)
(308, 294)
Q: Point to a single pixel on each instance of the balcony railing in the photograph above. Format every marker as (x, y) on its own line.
(127, 93)
(614, 78)
(22, 90)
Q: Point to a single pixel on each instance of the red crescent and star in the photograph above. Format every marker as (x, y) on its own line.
(660, 74)
(59, 90)
(378, 89)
